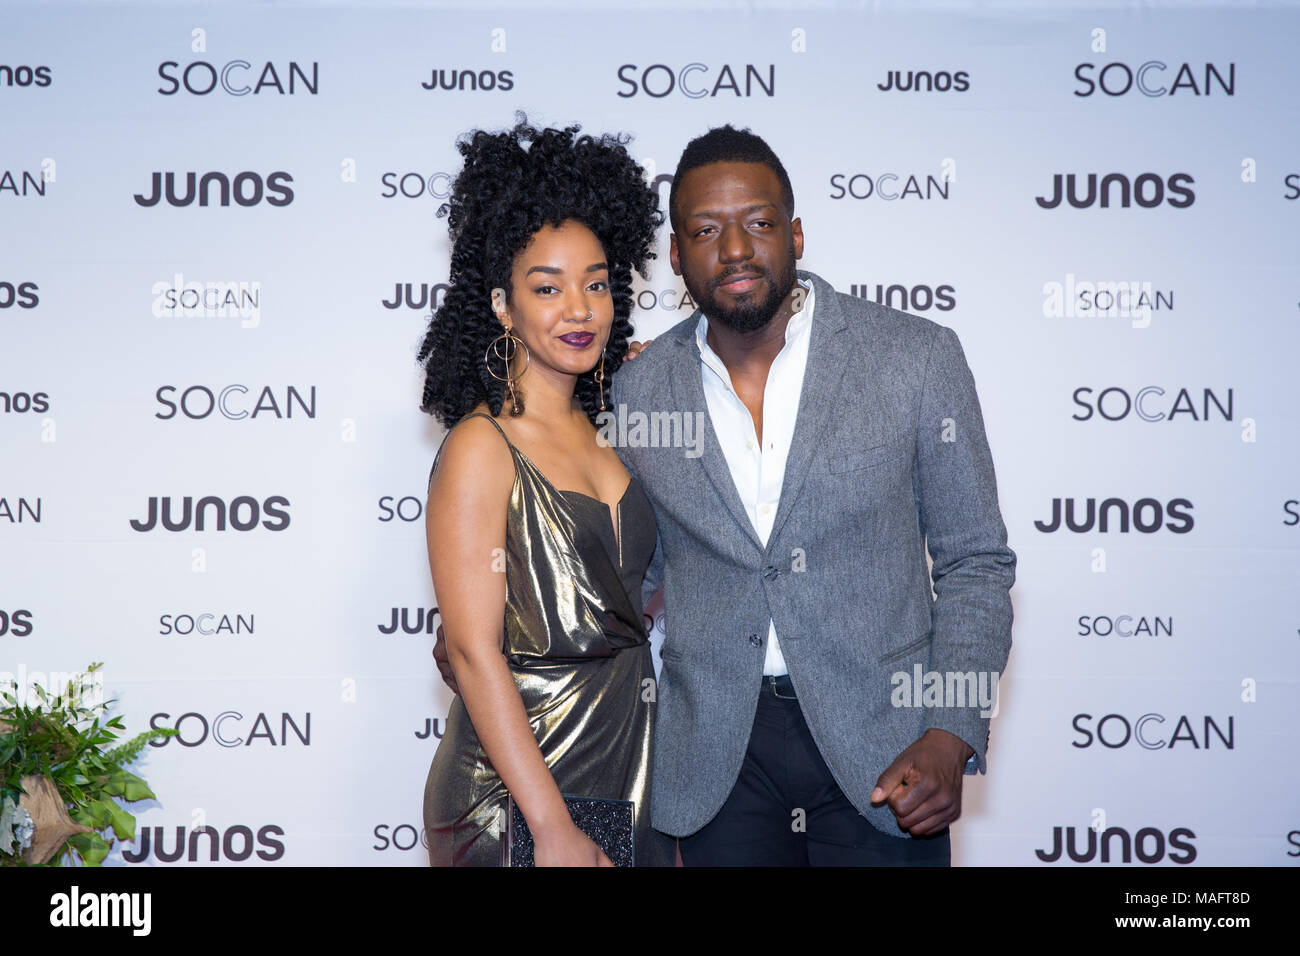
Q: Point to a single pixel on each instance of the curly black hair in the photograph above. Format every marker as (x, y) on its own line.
(501, 198)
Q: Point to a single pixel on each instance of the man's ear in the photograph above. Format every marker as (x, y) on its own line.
(674, 258)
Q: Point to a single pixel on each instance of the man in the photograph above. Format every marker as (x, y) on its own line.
(841, 439)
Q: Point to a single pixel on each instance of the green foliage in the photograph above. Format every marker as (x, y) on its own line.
(65, 740)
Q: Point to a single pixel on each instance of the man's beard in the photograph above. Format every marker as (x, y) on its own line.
(746, 316)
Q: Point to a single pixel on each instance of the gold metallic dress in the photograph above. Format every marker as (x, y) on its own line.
(577, 646)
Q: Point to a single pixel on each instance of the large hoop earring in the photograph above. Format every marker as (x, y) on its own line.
(600, 380)
(505, 352)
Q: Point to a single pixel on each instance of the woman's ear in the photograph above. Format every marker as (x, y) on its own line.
(499, 306)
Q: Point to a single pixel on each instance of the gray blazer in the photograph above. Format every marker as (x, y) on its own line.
(889, 454)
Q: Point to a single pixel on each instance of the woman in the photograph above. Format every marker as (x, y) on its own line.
(539, 588)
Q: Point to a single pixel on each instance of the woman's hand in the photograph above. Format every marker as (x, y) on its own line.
(636, 348)
(567, 846)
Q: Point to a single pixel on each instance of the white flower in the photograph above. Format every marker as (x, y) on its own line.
(25, 829)
(16, 826)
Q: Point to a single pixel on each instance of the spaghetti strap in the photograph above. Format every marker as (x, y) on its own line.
(448, 435)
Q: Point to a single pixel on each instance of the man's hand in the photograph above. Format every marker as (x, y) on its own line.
(923, 784)
(444, 665)
(636, 348)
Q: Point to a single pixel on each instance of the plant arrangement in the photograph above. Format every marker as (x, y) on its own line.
(61, 791)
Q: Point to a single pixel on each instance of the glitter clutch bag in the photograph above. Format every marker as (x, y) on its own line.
(609, 823)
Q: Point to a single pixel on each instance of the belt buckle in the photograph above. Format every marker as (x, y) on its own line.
(776, 692)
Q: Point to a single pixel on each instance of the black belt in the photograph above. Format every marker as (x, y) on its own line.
(781, 687)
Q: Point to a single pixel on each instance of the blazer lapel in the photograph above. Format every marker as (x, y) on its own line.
(828, 355)
(688, 395)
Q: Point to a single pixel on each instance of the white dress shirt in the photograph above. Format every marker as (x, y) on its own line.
(758, 472)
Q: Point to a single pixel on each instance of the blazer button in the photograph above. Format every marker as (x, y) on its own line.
(753, 639)
(771, 573)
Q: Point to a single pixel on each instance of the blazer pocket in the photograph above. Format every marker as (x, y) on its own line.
(905, 650)
(869, 457)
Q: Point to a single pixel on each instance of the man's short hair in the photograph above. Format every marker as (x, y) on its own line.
(726, 144)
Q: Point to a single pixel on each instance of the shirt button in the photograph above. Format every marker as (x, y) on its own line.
(753, 639)
(750, 444)
(765, 509)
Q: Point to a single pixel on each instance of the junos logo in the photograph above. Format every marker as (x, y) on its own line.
(1148, 516)
(917, 298)
(236, 844)
(896, 81)
(1148, 845)
(244, 514)
(460, 80)
(23, 295)
(15, 623)
(426, 295)
(1148, 190)
(247, 189)
(416, 620)
(23, 402)
(24, 75)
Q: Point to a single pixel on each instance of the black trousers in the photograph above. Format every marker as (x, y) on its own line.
(787, 810)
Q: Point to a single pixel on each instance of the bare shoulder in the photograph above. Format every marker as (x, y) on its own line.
(475, 465)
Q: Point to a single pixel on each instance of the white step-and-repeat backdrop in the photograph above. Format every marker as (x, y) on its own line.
(219, 249)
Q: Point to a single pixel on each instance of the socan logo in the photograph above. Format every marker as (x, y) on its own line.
(1147, 516)
(408, 508)
(21, 510)
(236, 844)
(246, 188)
(201, 78)
(199, 401)
(400, 837)
(886, 186)
(212, 513)
(1148, 190)
(1117, 79)
(1114, 404)
(697, 81)
(228, 728)
(416, 185)
(1147, 845)
(1115, 731)
(1124, 625)
(205, 623)
(32, 183)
